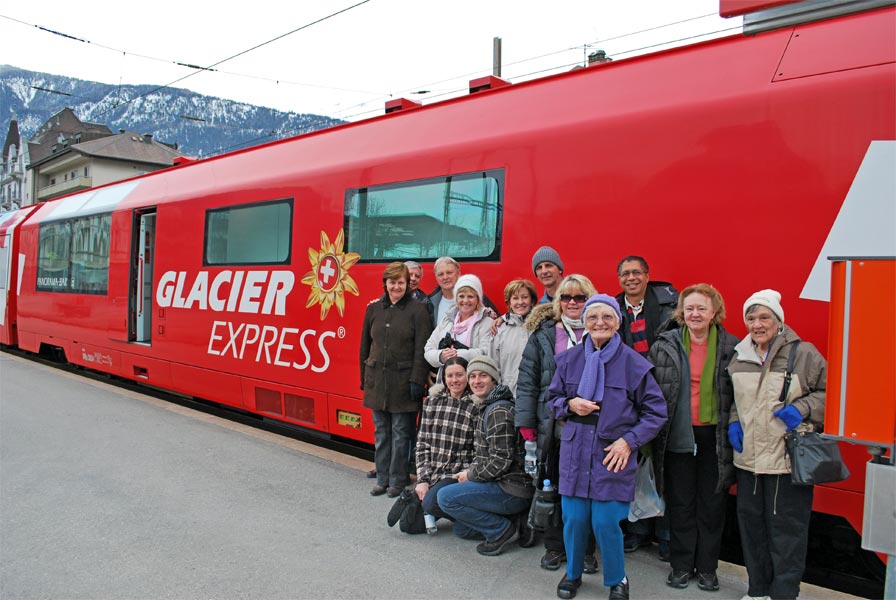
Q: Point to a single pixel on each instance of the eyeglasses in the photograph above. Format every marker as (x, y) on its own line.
(593, 318)
(580, 298)
(696, 309)
(635, 273)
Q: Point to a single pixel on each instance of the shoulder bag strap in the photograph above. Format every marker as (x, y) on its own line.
(789, 374)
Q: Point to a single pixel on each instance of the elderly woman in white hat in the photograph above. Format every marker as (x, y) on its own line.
(465, 329)
(772, 513)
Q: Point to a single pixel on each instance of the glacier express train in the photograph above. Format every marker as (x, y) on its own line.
(243, 279)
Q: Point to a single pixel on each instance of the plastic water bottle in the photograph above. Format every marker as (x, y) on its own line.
(547, 487)
(430, 521)
(531, 458)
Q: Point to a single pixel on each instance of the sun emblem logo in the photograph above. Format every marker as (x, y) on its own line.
(328, 277)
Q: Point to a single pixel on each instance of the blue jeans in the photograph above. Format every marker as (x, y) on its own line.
(392, 439)
(430, 500)
(582, 514)
(481, 507)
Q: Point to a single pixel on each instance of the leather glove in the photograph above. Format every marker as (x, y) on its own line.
(529, 433)
(791, 417)
(736, 436)
(417, 391)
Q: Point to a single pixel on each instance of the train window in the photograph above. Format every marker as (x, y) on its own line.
(458, 216)
(254, 234)
(73, 255)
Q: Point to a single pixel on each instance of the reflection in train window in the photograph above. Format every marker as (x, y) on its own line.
(458, 216)
(73, 255)
(249, 234)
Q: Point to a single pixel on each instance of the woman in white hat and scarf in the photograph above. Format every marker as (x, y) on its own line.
(772, 513)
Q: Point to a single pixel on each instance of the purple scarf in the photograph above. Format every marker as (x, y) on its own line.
(591, 386)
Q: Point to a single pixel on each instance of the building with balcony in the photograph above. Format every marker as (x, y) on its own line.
(68, 156)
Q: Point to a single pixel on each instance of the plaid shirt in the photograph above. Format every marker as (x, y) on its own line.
(445, 442)
(497, 452)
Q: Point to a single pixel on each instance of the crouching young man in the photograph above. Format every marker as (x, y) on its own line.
(494, 490)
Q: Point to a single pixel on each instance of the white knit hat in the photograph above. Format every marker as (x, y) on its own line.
(470, 281)
(770, 299)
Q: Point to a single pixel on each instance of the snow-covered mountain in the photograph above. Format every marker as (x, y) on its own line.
(212, 125)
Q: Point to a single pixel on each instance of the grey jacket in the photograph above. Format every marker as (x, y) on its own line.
(666, 355)
(507, 348)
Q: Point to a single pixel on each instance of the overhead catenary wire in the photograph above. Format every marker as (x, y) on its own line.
(555, 68)
(382, 95)
(210, 68)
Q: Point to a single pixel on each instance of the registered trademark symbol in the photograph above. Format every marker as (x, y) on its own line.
(340, 332)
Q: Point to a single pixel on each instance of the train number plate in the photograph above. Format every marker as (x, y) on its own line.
(348, 419)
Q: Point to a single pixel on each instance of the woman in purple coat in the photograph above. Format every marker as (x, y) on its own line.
(610, 404)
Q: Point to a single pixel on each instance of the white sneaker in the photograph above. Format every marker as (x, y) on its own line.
(748, 597)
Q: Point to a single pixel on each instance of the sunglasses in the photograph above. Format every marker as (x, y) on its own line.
(579, 298)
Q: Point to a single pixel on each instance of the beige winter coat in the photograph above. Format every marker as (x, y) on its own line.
(757, 393)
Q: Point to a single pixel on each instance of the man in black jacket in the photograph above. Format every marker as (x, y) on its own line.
(646, 307)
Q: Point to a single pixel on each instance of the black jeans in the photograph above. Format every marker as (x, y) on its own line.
(696, 513)
(773, 516)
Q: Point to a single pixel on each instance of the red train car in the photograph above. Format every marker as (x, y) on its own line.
(243, 279)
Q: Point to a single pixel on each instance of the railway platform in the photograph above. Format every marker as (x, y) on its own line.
(108, 493)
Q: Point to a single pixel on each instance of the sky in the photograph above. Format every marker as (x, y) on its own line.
(302, 57)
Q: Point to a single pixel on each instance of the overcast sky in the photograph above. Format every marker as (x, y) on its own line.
(348, 65)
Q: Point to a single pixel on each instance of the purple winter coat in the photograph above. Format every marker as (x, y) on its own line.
(637, 421)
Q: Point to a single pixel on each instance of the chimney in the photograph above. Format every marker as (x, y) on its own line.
(598, 57)
(147, 137)
(121, 131)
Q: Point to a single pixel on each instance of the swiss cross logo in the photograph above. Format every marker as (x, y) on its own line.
(328, 277)
(328, 273)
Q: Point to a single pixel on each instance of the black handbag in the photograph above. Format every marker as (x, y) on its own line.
(544, 512)
(813, 457)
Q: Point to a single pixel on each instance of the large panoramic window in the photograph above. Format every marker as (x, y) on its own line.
(73, 255)
(254, 234)
(458, 216)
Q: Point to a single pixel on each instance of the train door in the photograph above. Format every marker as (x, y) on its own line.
(143, 254)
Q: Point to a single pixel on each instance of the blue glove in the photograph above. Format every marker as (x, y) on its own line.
(791, 417)
(736, 436)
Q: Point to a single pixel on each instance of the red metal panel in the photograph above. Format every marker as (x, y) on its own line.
(860, 40)
(147, 370)
(223, 388)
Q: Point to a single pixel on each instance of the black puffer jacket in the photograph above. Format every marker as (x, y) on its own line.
(666, 356)
(536, 371)
(660, 301)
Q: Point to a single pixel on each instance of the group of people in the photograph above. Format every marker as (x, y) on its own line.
(595, 381)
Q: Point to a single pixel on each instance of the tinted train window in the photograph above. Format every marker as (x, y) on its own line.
(73, 255)
(255, 234)
(458, 216)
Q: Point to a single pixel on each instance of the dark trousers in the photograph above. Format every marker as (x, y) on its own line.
(392, 439)
(696, 513)
(773, 516)
(430, 500)
(553, 536)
